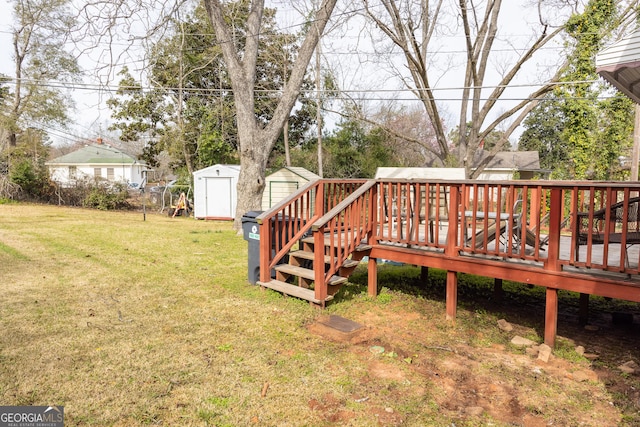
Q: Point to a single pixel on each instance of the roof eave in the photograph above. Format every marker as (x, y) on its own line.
(612, 77)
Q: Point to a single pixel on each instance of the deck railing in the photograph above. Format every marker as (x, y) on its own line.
(534, 221)
(339, 232)
(290, 220)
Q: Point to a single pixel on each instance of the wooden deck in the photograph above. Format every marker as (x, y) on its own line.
(566, 245)
(520, 231)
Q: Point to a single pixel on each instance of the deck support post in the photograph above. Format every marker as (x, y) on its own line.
(497, 289)
(424, 275)
(452, 294)
(372, 275)
(583, 313)
(551, 317)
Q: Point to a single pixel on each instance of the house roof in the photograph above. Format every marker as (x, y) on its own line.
(619, 64)
(511, 160)
(419, 173)
(94, 154)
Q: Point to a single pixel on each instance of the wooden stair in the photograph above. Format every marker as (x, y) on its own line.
(297, 277)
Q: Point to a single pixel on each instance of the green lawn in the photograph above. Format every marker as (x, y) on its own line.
(129, 322)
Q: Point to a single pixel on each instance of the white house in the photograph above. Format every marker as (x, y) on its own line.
(214, 192)
(96, 161)
(619, 64)
(283, 183)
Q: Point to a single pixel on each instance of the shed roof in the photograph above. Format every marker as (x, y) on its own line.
(419, 173)
(235, 169)
(301, 172)
(619, 64)
(511, 160)
(94, 154)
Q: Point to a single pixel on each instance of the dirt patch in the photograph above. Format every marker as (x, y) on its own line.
(331, 329)
(494, 383)
(331, 409)
(380, 369)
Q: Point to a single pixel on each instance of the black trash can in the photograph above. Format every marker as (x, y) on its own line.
(251, 231)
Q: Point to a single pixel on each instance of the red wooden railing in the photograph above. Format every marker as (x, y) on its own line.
(536, 222)
(340, 231)
(290, 220)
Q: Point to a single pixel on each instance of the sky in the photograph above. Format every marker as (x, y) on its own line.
(91, 117)
(343, 50)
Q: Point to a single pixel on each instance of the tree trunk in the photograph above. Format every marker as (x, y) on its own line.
(256, 142)
(287, 154)
(253, 162)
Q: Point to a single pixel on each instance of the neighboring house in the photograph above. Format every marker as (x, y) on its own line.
(283, 183)
(96, 161)
(507, 165)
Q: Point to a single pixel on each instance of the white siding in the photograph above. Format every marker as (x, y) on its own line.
(214, 192)
(283, 183)
(121, 173)
(623, 51)
(495, 175)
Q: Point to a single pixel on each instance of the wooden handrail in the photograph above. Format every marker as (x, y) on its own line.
(287, 201)
(415, 214)
(284, 224)
(323, 220)
(344, 228)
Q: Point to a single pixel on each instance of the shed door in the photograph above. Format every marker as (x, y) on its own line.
(278, 190)
(218, 197)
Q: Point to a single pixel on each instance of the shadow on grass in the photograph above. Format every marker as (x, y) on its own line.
(519, 303)
(612, 334)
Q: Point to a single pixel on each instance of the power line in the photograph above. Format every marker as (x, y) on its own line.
(52, 84)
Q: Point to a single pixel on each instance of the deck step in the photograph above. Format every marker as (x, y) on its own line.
(294, 291)
(327, 259)
(307, 273)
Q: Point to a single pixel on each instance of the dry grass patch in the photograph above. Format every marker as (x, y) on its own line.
(128, 322)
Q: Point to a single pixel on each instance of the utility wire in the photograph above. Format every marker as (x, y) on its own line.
(133, 89)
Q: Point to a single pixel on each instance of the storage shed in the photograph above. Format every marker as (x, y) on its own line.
(506, 165)
(419, 173)
(214, 192)
(283, 183)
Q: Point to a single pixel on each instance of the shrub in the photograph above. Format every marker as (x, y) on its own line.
(107, 197)
(8, 189)
(32, 178)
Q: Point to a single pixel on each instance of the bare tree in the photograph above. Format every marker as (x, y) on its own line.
(410, 134)
(255, 140)
(42, 63)
(414, 28)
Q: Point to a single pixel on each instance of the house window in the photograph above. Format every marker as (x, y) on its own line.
(110, 174)
(73, 172)
(97, 172)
